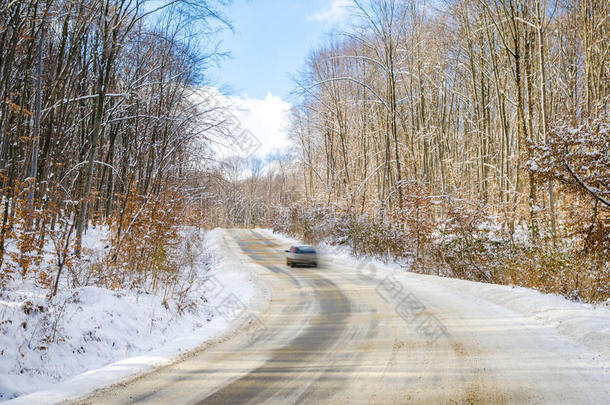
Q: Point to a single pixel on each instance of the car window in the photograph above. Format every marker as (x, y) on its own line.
(305, 249)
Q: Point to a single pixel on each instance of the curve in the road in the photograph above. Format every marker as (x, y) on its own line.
(290, 361)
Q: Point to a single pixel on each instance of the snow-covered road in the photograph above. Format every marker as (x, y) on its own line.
(355, 333)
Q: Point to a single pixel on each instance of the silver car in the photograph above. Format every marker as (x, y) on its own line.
(301, 255)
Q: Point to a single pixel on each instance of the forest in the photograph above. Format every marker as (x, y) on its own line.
(104, 121)
(464, 138)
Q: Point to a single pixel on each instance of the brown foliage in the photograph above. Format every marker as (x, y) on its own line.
(143, 234)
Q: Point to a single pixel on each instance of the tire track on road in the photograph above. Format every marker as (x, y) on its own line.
(290, 368)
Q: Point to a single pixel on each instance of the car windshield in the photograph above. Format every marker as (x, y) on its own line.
(305, 249)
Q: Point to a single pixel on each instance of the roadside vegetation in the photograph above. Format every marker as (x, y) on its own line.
(104, 123)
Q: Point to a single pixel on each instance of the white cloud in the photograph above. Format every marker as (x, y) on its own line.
(256, 127)
(336, 13)
(265, 118)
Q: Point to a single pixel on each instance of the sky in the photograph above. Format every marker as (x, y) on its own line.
(270, 42)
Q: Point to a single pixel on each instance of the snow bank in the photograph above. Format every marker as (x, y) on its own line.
(586, 324)
(96, 327)
(96, 337)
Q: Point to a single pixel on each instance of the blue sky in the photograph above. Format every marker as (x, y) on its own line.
(270, 42)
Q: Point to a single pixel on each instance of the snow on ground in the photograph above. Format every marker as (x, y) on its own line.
(95, 337)
(585, 324)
